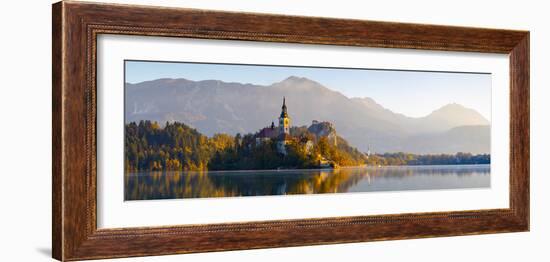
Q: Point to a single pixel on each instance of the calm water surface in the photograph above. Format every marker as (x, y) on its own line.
(170, 185)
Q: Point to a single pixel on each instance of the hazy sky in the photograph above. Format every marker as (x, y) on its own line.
(411, 93)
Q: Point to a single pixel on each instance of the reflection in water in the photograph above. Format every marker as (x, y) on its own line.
(170, 185)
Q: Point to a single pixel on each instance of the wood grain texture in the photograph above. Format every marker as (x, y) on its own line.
(76, 27)
(57, 195)
(519, 129)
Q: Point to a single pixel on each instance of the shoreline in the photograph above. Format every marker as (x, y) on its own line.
(307, 169)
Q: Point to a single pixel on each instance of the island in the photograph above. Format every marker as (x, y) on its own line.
(179, 147)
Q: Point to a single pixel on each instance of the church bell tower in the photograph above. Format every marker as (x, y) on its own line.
(284, 120)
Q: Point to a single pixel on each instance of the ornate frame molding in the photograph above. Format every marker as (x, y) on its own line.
(76, 26)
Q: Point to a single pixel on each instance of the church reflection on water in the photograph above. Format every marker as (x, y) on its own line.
(175, 185)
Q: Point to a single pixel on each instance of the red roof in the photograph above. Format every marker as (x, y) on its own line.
(267, 132)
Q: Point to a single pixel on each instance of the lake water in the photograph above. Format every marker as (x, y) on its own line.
(172, 185)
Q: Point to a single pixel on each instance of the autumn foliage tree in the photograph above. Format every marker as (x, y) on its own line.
(176, 146)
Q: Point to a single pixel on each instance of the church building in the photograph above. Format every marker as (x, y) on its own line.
(284, 120)
(279, 134)
(284, 129)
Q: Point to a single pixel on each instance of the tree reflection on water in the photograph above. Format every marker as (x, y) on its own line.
(174, 185)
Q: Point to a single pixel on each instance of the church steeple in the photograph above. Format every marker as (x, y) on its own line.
(283, 108)
(284, 120)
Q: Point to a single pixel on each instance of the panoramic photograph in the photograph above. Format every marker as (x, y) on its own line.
(207, 130)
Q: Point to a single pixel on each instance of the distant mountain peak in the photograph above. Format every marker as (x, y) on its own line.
(303, 84)
(297, 80)
(213, 106)
(452, 106)
(459, 112)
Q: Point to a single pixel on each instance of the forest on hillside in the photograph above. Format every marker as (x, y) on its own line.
(401, 158)
(176, 146)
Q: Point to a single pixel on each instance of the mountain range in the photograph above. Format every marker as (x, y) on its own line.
(214, 106)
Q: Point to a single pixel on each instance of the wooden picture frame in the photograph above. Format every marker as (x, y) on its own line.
(76, 26)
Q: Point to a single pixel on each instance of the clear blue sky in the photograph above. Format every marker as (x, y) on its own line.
(411, 93)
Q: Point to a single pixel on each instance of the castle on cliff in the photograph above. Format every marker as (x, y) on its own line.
(282, 136)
